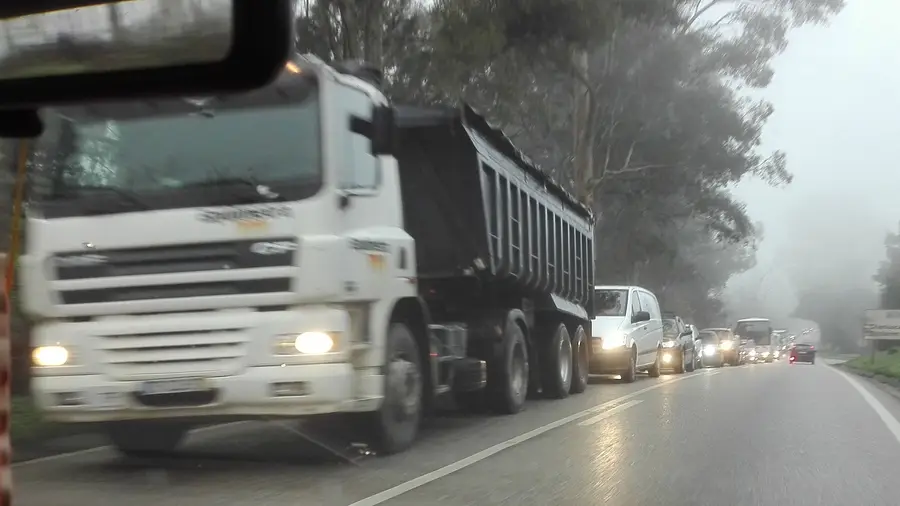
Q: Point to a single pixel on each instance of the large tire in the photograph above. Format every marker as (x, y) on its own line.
(140, 439)
(689, 367)
(631, 373)
(581, 355)
(507, 385)
(396, 424)
(556, 366)
(654, 371)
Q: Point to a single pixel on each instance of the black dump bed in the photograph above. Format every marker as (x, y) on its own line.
(476, 206)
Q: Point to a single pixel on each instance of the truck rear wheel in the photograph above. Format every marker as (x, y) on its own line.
(581, 361)
(396, 424)
(557, 364)
(146, 439)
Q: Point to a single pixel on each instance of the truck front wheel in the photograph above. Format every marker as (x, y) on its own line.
(397, 422)
(146, 439)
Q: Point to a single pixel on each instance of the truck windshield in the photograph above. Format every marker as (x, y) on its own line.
(759, 331)
(170, 153)
(610, 302)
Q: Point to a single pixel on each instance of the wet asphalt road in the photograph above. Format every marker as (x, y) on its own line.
(770, 434)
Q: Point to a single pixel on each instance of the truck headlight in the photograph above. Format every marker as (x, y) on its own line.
(709, 350)
(306, 343)
(616, 340)
(51, 356)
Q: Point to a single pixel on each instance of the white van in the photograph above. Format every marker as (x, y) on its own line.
(627, 332)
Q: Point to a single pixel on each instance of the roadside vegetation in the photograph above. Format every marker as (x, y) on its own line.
(887, 363)
(27, 423)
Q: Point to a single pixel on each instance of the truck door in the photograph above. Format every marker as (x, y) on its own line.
(367, 208)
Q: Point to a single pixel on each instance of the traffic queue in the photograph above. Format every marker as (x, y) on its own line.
(631, 333)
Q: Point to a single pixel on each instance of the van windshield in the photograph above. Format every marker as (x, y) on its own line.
(610, 302)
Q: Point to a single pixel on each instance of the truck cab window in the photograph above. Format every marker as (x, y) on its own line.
(358, 169)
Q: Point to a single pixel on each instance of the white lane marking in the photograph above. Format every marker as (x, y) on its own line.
(88, 451)
(393, 492)
(892, 424)
(609, 412)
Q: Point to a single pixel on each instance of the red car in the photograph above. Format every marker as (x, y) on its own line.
(803, 353)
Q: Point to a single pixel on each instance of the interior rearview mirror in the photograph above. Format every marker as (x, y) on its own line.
(640, 316)
(136, 48)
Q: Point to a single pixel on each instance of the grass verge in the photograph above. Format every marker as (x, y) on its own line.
(27, 423)
(886, 364)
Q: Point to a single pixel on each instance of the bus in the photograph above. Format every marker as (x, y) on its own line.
(758, 330)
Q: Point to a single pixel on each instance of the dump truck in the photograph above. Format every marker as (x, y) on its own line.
(306, 250)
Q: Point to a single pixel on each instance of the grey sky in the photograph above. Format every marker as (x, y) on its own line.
(837, 97)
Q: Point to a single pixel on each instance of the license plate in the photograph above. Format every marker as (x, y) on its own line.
(177, 386)
(109, 399)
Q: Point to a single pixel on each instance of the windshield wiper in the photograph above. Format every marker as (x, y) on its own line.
(245, 189)
(97, 207)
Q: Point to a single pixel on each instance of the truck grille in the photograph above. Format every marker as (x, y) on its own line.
(193, 353)
(170, 259)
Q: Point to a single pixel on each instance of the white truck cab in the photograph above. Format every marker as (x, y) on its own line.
(196, 288)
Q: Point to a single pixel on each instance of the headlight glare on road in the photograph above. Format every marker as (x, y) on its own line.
(50, 356)
(709, 350)
(614, 340)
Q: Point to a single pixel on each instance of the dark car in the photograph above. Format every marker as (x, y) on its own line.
(711, 353)
(803, 353)
(678, 345)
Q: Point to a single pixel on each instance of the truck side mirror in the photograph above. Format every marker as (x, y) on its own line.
(384, 130)
(381, 131)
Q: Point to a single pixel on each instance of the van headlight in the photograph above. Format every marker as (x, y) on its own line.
(726, 345)
(709, 350)
(51, 356)
(306, 343)
(615, 340)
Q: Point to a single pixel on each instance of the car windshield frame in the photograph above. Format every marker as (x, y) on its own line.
(244, 167)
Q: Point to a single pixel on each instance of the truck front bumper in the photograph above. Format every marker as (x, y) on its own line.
(222, 365)
(259, 392)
